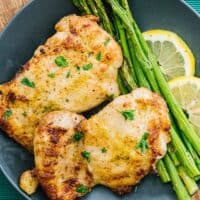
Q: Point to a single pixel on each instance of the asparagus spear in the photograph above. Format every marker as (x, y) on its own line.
(124, 44)
(84, 6)
(190, 184)
(121, 83)
(185, 157)
(129, 79)
(141, 79)
(172, 154)
(78, 5)
(93, 8)
(178, 185)
(149, 65)
(162, 171)
(192, 151)
(197, 178)
(105, 19)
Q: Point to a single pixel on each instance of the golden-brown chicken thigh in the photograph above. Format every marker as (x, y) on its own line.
(126, 139)
(76, 69)
(116, 147)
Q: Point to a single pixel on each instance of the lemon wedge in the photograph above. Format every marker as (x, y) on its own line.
(173, 55)
(186, 90)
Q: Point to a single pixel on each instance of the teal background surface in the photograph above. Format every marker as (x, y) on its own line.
(7, 192)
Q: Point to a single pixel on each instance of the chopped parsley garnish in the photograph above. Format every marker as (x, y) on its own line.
(77, 67)
(68, 74)
(110, 97)
(107, 41)
(87, 67)
(27, 82)
(82, 189)
(103, 150)
(61, 61)
(7, 114)
(99, 56)
(51, 75)
(77, 136)
(86, 155)
(24, 114)
(128, 114)
(142, 145)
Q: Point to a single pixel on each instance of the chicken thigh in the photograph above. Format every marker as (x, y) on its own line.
(116, 147)
(76, 69)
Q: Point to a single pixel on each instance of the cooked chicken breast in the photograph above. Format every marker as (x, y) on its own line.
(76, 69)
(117, 148)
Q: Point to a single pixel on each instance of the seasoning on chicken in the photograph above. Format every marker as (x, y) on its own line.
(76, 69)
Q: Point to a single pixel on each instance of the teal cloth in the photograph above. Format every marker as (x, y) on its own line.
(195, 4)
(7, 192)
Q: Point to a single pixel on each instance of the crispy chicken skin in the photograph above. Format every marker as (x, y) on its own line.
(82, 80)
(113, 151)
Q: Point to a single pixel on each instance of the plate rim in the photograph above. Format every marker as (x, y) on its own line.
(30, 2)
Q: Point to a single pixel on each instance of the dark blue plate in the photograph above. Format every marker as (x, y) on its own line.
(35, 23)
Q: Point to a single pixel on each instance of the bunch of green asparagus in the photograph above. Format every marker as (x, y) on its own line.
(181, 165)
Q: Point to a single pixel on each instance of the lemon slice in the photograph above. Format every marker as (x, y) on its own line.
(173, 55)
(187, 92)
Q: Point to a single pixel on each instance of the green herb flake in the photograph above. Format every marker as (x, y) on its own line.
(28, 83)
(82, 189)
(24, 114)
(68, 74)
(51, 75)
(103, 150)
(86, 155)
(128, 114)
(110, 97)
(87, 67)
(99, 56)
(61, 61)
(142, 145)
(7, 114)
(77, 136)
(107, 41)
(77, 67)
